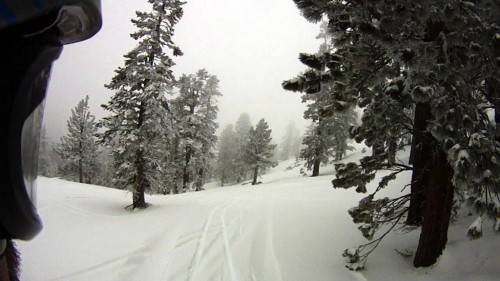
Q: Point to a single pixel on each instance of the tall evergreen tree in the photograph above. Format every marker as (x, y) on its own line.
(196, 110)
(78, 149)
(290, 146)
(329, 133)
(258, 152)
(326, 139)
(439, 64)
(242, 130)
(316, 147)
(226, 156)
(139, 110)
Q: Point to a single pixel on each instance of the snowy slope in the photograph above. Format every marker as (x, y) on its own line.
(290, 227)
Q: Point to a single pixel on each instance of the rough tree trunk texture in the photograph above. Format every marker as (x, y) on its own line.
(175, 150)
(411, 160)
(199, 182)
(222, 178)
(316, 168)
(80, 170)
(185, 176)
(392, 149)
(438, 207)
(317, 152)
(255, 173)
(423, 147)
(138, 199)
(80, 161)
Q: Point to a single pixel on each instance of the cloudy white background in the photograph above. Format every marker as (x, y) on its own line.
(251, 45)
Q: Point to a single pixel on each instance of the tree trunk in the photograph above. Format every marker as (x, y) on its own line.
(199, 181)
(392, 149)
(316, 168)
(80, 162)
(222, 178)
(185, 176)
(138, 198)
(317, 152)
(255, 173)
(423, 147)
(438, 207)
(80, 170)
(175, 152)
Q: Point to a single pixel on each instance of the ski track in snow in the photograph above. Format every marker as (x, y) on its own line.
(227, 247)
(201, 246)
(232, 238)
(270, 235)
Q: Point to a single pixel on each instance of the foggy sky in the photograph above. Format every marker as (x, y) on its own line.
(252, 46)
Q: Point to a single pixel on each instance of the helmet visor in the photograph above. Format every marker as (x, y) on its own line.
(30, 140)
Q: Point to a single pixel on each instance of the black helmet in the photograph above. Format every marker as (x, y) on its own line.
(32, 33)
(76, 19)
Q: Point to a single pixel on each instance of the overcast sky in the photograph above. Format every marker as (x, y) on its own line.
(251, 45)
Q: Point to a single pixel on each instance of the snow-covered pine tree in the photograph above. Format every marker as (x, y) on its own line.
(258, 152)
(78, 149)
(105, 172)
(290, 146)
(136, 129)
(206, 135)
(316, 147)
(329, 133)
(226, 156)
(242, 130)
(444, 59)
(326, 139)
(340, 123)
(196, 110)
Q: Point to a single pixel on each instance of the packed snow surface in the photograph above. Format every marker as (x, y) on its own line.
(290, 227)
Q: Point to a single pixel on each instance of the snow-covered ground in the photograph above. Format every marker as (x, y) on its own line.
(290, 227)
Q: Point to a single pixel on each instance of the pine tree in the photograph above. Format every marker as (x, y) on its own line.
(330, 130)
(242, 130)
(196, 110)
(78, 149)
(226, 156)
(316, 147)
(439, 66)
(290, 147)
(258, 152)
(136, 129)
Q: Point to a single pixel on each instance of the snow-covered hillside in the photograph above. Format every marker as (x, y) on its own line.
(290, 227)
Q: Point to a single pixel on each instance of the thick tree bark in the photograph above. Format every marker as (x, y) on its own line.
(185, 177)
(437, 213)
(222, 178)
(199, 181)
(80, 161)
(423, 148)
(138, 200)
(255, 173)
(80, 170)
(316, 165)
